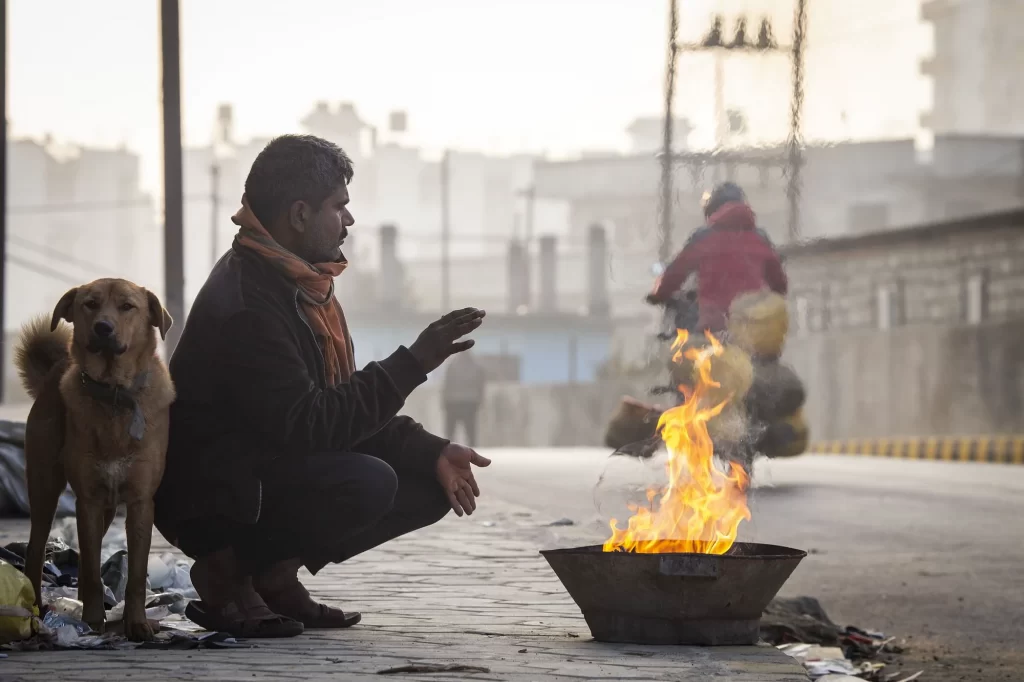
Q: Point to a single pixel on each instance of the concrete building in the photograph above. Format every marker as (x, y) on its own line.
(395, 184)
(977, 83)
(75, 214)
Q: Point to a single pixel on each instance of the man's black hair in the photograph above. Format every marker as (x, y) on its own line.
(295, 168)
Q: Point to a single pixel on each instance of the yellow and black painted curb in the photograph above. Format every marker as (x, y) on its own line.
(993, 449)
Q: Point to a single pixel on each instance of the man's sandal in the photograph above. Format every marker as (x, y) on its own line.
(252, 623)
(294, 601)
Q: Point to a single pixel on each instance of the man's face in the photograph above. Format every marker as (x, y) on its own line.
(326, 229)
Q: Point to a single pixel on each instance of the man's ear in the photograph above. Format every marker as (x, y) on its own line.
(158, 317)
(63, 309)
(298, 215)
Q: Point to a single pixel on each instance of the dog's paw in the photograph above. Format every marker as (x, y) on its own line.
(138, 631)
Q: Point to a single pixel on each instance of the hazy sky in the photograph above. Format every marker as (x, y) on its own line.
(496, 75)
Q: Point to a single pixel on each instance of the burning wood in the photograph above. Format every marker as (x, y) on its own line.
(701, 508)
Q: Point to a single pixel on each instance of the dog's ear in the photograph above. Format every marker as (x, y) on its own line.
(158, 317)
(63, 309)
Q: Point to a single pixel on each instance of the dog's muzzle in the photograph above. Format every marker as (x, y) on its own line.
(105, 344)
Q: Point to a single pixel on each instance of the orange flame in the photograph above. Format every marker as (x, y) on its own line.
(701, 508)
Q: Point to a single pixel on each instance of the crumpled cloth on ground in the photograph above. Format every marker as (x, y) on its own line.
(13, 486)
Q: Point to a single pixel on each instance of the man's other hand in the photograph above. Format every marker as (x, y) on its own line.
(440, 339)
(455, 474)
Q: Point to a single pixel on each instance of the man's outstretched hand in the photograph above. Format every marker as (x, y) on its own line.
(455, 474)
(440, 339)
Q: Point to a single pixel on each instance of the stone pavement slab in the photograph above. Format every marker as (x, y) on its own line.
(471, 591)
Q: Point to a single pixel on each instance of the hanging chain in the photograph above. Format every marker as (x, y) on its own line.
(667, 162)
(795, 161)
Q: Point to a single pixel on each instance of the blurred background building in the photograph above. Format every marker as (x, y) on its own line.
(904, 229)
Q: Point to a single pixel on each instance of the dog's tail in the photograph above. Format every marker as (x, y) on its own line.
(39, 350)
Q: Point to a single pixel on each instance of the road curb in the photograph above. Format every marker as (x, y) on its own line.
(991, 449)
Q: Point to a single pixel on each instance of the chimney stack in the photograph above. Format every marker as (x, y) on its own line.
(548, 302)
(389, 287)
(518, 282)
(597, 271)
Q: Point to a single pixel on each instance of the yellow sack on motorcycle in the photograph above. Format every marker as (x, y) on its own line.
(732, 370)
(18, 612)
(759, 323)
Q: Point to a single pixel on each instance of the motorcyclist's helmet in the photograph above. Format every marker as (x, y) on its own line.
(721, 195)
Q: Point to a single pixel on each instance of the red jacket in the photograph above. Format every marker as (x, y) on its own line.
(731, 257)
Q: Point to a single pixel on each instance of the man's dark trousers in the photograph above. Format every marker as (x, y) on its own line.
(323, 508)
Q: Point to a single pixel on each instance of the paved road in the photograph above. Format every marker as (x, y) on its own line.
(928, 550)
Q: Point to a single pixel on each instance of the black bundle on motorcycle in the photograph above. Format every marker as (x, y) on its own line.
(776, 392)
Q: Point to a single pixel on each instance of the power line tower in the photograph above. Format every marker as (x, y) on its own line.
(716, 42)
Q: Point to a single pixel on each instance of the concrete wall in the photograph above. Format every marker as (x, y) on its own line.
(913, 381)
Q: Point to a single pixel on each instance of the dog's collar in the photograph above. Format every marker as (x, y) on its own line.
(120, 398)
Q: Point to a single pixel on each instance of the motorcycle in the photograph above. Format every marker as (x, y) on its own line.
(770, 411)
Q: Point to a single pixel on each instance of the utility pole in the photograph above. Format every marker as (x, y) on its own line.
(445, 233)
(796, 161)
(3, 198)
(174, 252)
(665, 209)
(214, 211)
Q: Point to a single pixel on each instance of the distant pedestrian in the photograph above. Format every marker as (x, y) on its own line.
(465, 383)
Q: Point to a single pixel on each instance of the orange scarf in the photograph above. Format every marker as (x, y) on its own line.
(316, 292)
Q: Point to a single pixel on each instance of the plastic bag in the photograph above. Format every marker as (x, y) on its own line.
(18, 612)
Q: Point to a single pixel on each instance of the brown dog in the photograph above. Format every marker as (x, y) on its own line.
(99, 422)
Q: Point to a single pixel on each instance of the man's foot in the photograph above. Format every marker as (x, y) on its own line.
(229, 602)
(280, 587)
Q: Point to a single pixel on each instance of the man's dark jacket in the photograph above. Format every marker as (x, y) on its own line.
(251, 387)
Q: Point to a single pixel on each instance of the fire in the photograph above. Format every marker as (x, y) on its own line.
(701, 508)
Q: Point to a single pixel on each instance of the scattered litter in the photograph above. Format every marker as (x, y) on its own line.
(801, 629)
(156, 613)
(488, 524)
(55, 621)
(179, 623)
(522, 651)
(66, 606)
(913, 677)
(114, 573)
(563, 522)
(434, 668)
(839, 678)
(169, 588)
(182, 642)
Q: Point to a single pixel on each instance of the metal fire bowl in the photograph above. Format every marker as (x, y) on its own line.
(696, 599)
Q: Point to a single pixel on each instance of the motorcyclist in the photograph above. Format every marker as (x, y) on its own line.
(729, 255)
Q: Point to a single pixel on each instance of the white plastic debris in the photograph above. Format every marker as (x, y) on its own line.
(160, 572)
